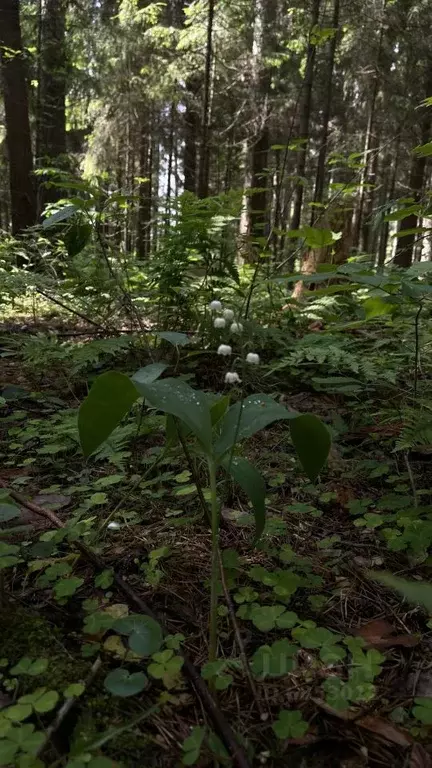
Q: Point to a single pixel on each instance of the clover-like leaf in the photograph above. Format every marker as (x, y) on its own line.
(120, 682)
(290, 725)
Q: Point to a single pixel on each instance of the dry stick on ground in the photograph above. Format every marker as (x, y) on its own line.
(66, 708)
(216, 716)
(230, 606)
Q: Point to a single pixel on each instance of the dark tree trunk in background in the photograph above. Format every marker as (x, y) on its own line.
(18, 138)
(320, 173)
(145, 196)
(191, 132)
(405, 245)
(370, 141)
(51, 120)
(259, 214)
(305, 114)
(204, 165)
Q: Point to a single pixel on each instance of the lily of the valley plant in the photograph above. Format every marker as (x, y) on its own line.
(210, 426)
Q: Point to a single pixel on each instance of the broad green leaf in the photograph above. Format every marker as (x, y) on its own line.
(76, 237)
(149, 373)
(175, 397)
(120, 682)
(218, 409)
(417, 592)
(376, 306)
(423, 150)
(312, 442)
(403, 213)
(8, 512)
(109, 400)
(145, 634)
(316, 237)
(257, 412)
(253, 485)
(62, 215)
(8, 751)
(174, 337)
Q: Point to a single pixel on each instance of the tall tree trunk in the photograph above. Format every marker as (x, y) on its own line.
(191, 131)
(145, 195)
(204, 165)
(405, 244)
(320, 173)
(369, 136)
(264, 20)
(51, 121)
(18, 138)
(305, 114)
(389, 196)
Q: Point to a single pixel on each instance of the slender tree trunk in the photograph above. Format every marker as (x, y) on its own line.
(405, 245)
(145, 196)
(191, 130)
(51, 121)
(320, 173)
(259, 215)
(305, 117)
(367, 225)
(369, 136)
(204, 165)
(385, 229)
(18, 138)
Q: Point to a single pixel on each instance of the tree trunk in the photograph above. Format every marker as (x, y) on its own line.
(405, 245)
(204, 165)
(18, 138)
(262, 45)
(51, 120)
(320, 173)
(305, 114)
(369, 137)
(145, 196)
(191, 130)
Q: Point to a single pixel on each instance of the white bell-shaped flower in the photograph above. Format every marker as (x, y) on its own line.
(215, 306)
(232, 378)
(219, 322)
(224, 349)
(252, 358)
(228, 314)
(236, 328)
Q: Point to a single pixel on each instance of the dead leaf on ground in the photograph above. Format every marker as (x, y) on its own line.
(419, 758)
(385, 729)
(52, 501)
(379, 634)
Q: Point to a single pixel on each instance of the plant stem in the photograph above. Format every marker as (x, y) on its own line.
(215, 562)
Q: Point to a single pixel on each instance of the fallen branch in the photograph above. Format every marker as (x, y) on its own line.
(191, 672)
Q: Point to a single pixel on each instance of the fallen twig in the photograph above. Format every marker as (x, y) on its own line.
(191, 672)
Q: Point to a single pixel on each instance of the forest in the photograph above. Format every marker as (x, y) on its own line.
(215, 399)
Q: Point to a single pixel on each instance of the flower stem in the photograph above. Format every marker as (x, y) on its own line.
(215, 562)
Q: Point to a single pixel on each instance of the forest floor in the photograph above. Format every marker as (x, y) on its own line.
(326, 538)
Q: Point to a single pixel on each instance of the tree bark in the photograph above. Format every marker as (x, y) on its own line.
(264, 20)
(145, 195)
(18, 137)
(369, 137)
(320, 173)
(405, 245)
(191, 130)
(305, 114)
(51, 120)
(204, 165)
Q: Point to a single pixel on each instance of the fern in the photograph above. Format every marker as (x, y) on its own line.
(417, 429)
